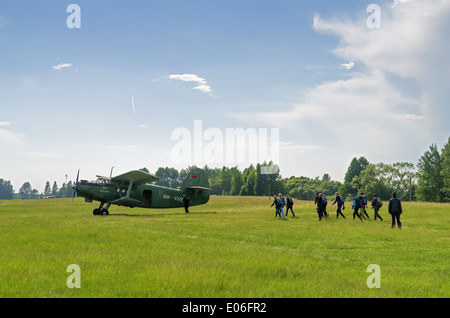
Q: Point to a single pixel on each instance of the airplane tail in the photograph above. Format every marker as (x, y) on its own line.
(196, 186)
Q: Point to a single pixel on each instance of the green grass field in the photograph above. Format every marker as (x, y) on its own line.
(231, 247)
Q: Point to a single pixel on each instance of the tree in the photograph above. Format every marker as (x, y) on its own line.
(445, 172)
(6, 190)
(402, 179)
(355, 168)
(145, 170)
(237, 182)
(55, 189)
(430, 182)
(383, 179)
(69, 190)
(268, 179)
(47, 190)
(168, 177)
(25, 191)
(248, 188)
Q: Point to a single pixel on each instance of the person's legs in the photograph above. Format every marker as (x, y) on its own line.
(399, 224)
(357, 214)
(393, 220)
(377, 215)
(340, 212)
(292, 211)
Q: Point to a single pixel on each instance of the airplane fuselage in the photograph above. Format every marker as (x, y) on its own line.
(144, 195)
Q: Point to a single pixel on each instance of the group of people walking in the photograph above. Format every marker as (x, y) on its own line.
(359, 205)
(280, 202)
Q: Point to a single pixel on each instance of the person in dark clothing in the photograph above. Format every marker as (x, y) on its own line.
(319, 202)
(186, 202)
(289, 204)
(363, 200)
(395, 209)
(376, 205)
(324, 205)
(340, 204)
(356, 205)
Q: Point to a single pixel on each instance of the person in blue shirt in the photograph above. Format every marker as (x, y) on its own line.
(278, 204)
(283, 202)
(356, 205)
(340, 204)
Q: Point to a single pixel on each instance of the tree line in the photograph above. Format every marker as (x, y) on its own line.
(26, 191)
(429, 180)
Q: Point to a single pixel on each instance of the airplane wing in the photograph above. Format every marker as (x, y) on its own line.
(136, 176)
(127, 202)
(198, 188)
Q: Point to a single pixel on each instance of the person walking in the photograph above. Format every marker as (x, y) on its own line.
(186, 202)
(376, 205)
(278, 204)
(356, 205)
(395, 209)
(363, 200)
(340, 204)
(283, 202)
(319, 202)
(324, 205)
(289, 204)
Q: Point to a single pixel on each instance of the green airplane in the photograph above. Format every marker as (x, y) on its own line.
(133, 189)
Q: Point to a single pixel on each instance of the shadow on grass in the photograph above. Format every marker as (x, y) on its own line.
(159, 215)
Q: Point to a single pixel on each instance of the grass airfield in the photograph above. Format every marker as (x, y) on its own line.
(232, 247)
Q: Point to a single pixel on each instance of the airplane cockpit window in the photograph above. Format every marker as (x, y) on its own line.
(101, 181)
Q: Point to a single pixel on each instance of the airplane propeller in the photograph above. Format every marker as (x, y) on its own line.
(75, 187)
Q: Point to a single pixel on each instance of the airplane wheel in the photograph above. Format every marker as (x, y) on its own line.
(105, 212)
(96, 211)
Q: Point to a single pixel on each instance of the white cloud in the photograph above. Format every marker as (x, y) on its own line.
(377, 111)
(5, 123)
(61, 66)
(39, 154)
(11, 138)
(291, 146)
(122, 148)
(202, 85)
(203, 88)
(348, 66)
(397, 2)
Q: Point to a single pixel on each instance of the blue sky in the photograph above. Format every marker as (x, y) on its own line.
(334, 88)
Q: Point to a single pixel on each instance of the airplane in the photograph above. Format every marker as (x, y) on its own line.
(133, 189)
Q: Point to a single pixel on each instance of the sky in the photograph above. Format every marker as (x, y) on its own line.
(123, 84)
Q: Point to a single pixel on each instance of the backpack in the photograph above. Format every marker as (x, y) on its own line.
(324, 199)
(290, 201)
(358, 203)
(364, 200)
(278, 204)
(341, 201)
(379, 203)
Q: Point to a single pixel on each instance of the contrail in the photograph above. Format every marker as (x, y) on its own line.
(132, 103)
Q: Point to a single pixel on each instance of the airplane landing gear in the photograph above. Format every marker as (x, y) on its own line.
(101, 210)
